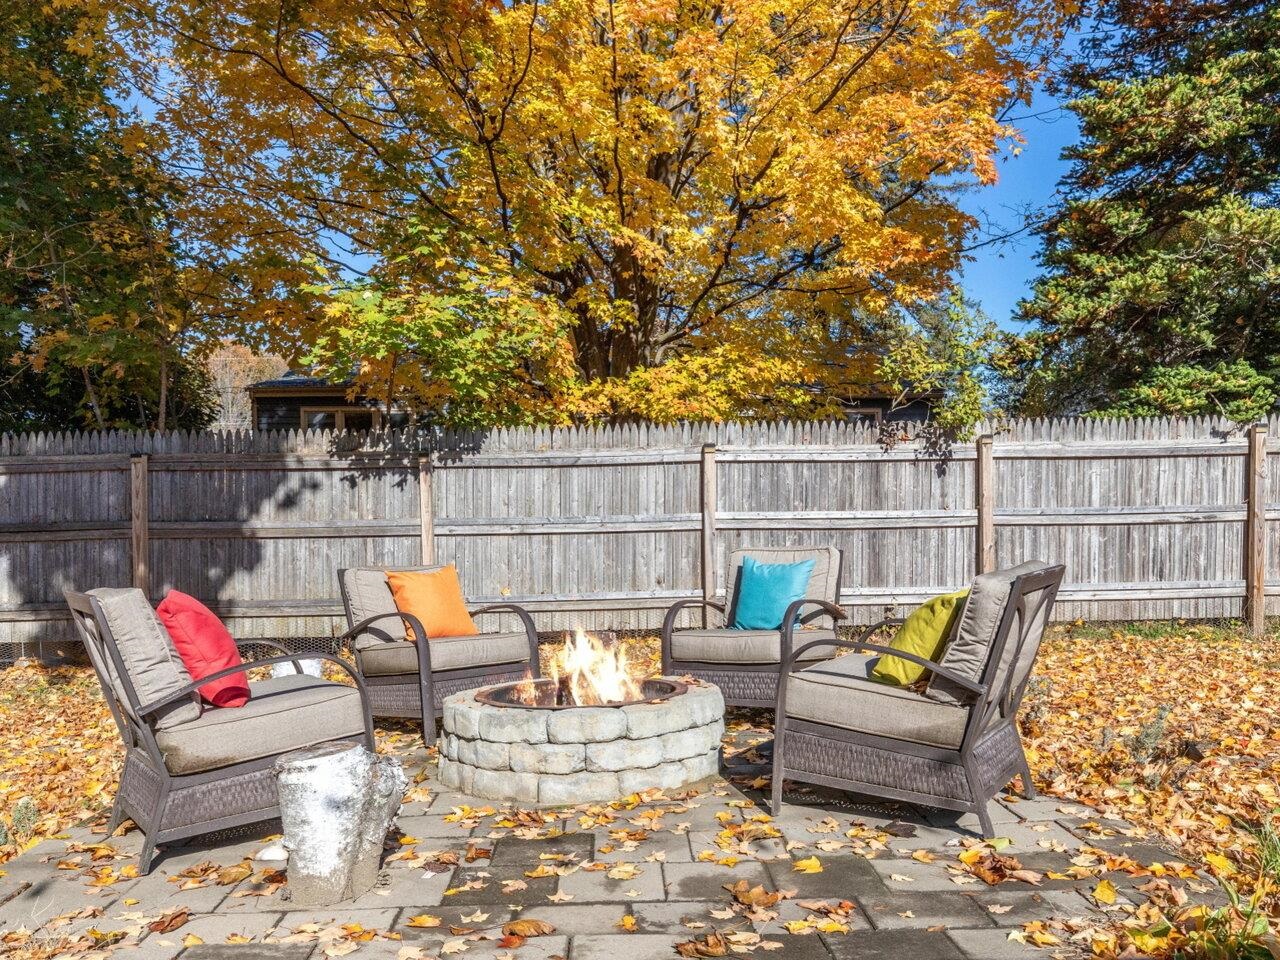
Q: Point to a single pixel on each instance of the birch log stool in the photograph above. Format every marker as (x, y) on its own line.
(337, 802)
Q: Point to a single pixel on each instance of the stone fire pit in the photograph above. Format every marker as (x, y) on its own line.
(550, 755)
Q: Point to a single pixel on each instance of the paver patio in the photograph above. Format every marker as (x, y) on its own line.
(466, 869)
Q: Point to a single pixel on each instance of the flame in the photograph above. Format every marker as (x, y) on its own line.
(583, 673)
(595, 675)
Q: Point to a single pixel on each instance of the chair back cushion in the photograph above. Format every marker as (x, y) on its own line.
(969, 650)
(824, 581)
(366, 594)
(766, 590)
(1019, 655)
(148, 654)
(435, 598)
(205, 646)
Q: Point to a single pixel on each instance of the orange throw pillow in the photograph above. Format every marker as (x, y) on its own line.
(435, 598)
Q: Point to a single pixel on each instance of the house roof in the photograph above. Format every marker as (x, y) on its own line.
(298, 380)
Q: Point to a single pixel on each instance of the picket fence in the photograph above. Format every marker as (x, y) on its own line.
(605, 527)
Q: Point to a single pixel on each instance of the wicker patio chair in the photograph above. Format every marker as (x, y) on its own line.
(745, 664)
(402, 678)
(953, 746)
(189, 769)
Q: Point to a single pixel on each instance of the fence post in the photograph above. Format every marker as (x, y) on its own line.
(139, 521)
(984, 494)
(426, 510)
(708, 527)
(1255, 528)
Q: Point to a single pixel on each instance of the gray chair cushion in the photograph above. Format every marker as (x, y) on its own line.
(745, 646)
(824, 582)
(836, 693)
(447, 653)
(367, 594)
(975, 630)
(283, 713)
(149, 656)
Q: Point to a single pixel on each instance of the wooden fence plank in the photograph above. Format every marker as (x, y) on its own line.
(985, 532)
(707, 569)
(140, 516)
(1255, 543)
(426, 511)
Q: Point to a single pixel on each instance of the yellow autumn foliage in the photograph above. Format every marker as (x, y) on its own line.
(730, 207)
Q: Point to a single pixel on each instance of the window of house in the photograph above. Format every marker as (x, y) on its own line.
(341, 418)
(853, 414)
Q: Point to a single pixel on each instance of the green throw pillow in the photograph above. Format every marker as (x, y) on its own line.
(925, 634)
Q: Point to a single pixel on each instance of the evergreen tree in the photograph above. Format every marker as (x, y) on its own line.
(1161, 289)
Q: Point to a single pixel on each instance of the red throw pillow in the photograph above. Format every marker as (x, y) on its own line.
(205, 647)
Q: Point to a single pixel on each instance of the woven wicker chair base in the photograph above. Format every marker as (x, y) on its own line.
(169, 808)
(870, 765)
(400, 696)
(741, 688)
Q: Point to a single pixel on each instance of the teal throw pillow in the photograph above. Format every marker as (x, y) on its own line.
(765, 590)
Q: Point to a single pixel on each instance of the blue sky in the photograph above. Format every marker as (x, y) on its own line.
(1001, 274)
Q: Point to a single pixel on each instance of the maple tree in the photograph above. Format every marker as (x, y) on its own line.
(1161, 288)
(681, 209)
(94, 323)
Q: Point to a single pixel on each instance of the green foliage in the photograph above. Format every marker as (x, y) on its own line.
(93, 320)
(1161, 291)
(1233, 390)
(465, 356)
(947, 348)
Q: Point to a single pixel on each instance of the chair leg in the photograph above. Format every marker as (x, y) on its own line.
(775, 776)
(117, 815)
(984, 819)
(1028, 787)
(981, 795)
(147, 855)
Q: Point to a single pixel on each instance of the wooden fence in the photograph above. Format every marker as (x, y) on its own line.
(607, 526)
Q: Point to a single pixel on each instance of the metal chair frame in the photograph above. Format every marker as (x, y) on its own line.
(990, 753)
(406, 695)
(167, 806)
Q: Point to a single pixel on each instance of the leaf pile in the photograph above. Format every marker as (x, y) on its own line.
(58, 746)
(1175, 728)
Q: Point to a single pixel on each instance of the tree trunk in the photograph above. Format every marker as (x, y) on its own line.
(162, 417)
(337, 801)
(93, 398)
(381, 806)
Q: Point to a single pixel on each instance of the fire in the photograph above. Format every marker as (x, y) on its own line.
(594, 674)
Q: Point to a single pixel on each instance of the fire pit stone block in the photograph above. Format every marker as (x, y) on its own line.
(579, 788)
(587, 725)
(506, 785)
(655, 719)
(561, 758)
(557, 757)
(513, 725)
(693, 742)
(624, 754)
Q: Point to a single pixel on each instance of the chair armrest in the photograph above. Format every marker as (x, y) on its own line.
(978, 688)
(531, 631)
(195, 685)
(878, 625)
(789, 622)
(669, 623)
(414, 624)
(931, 665)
